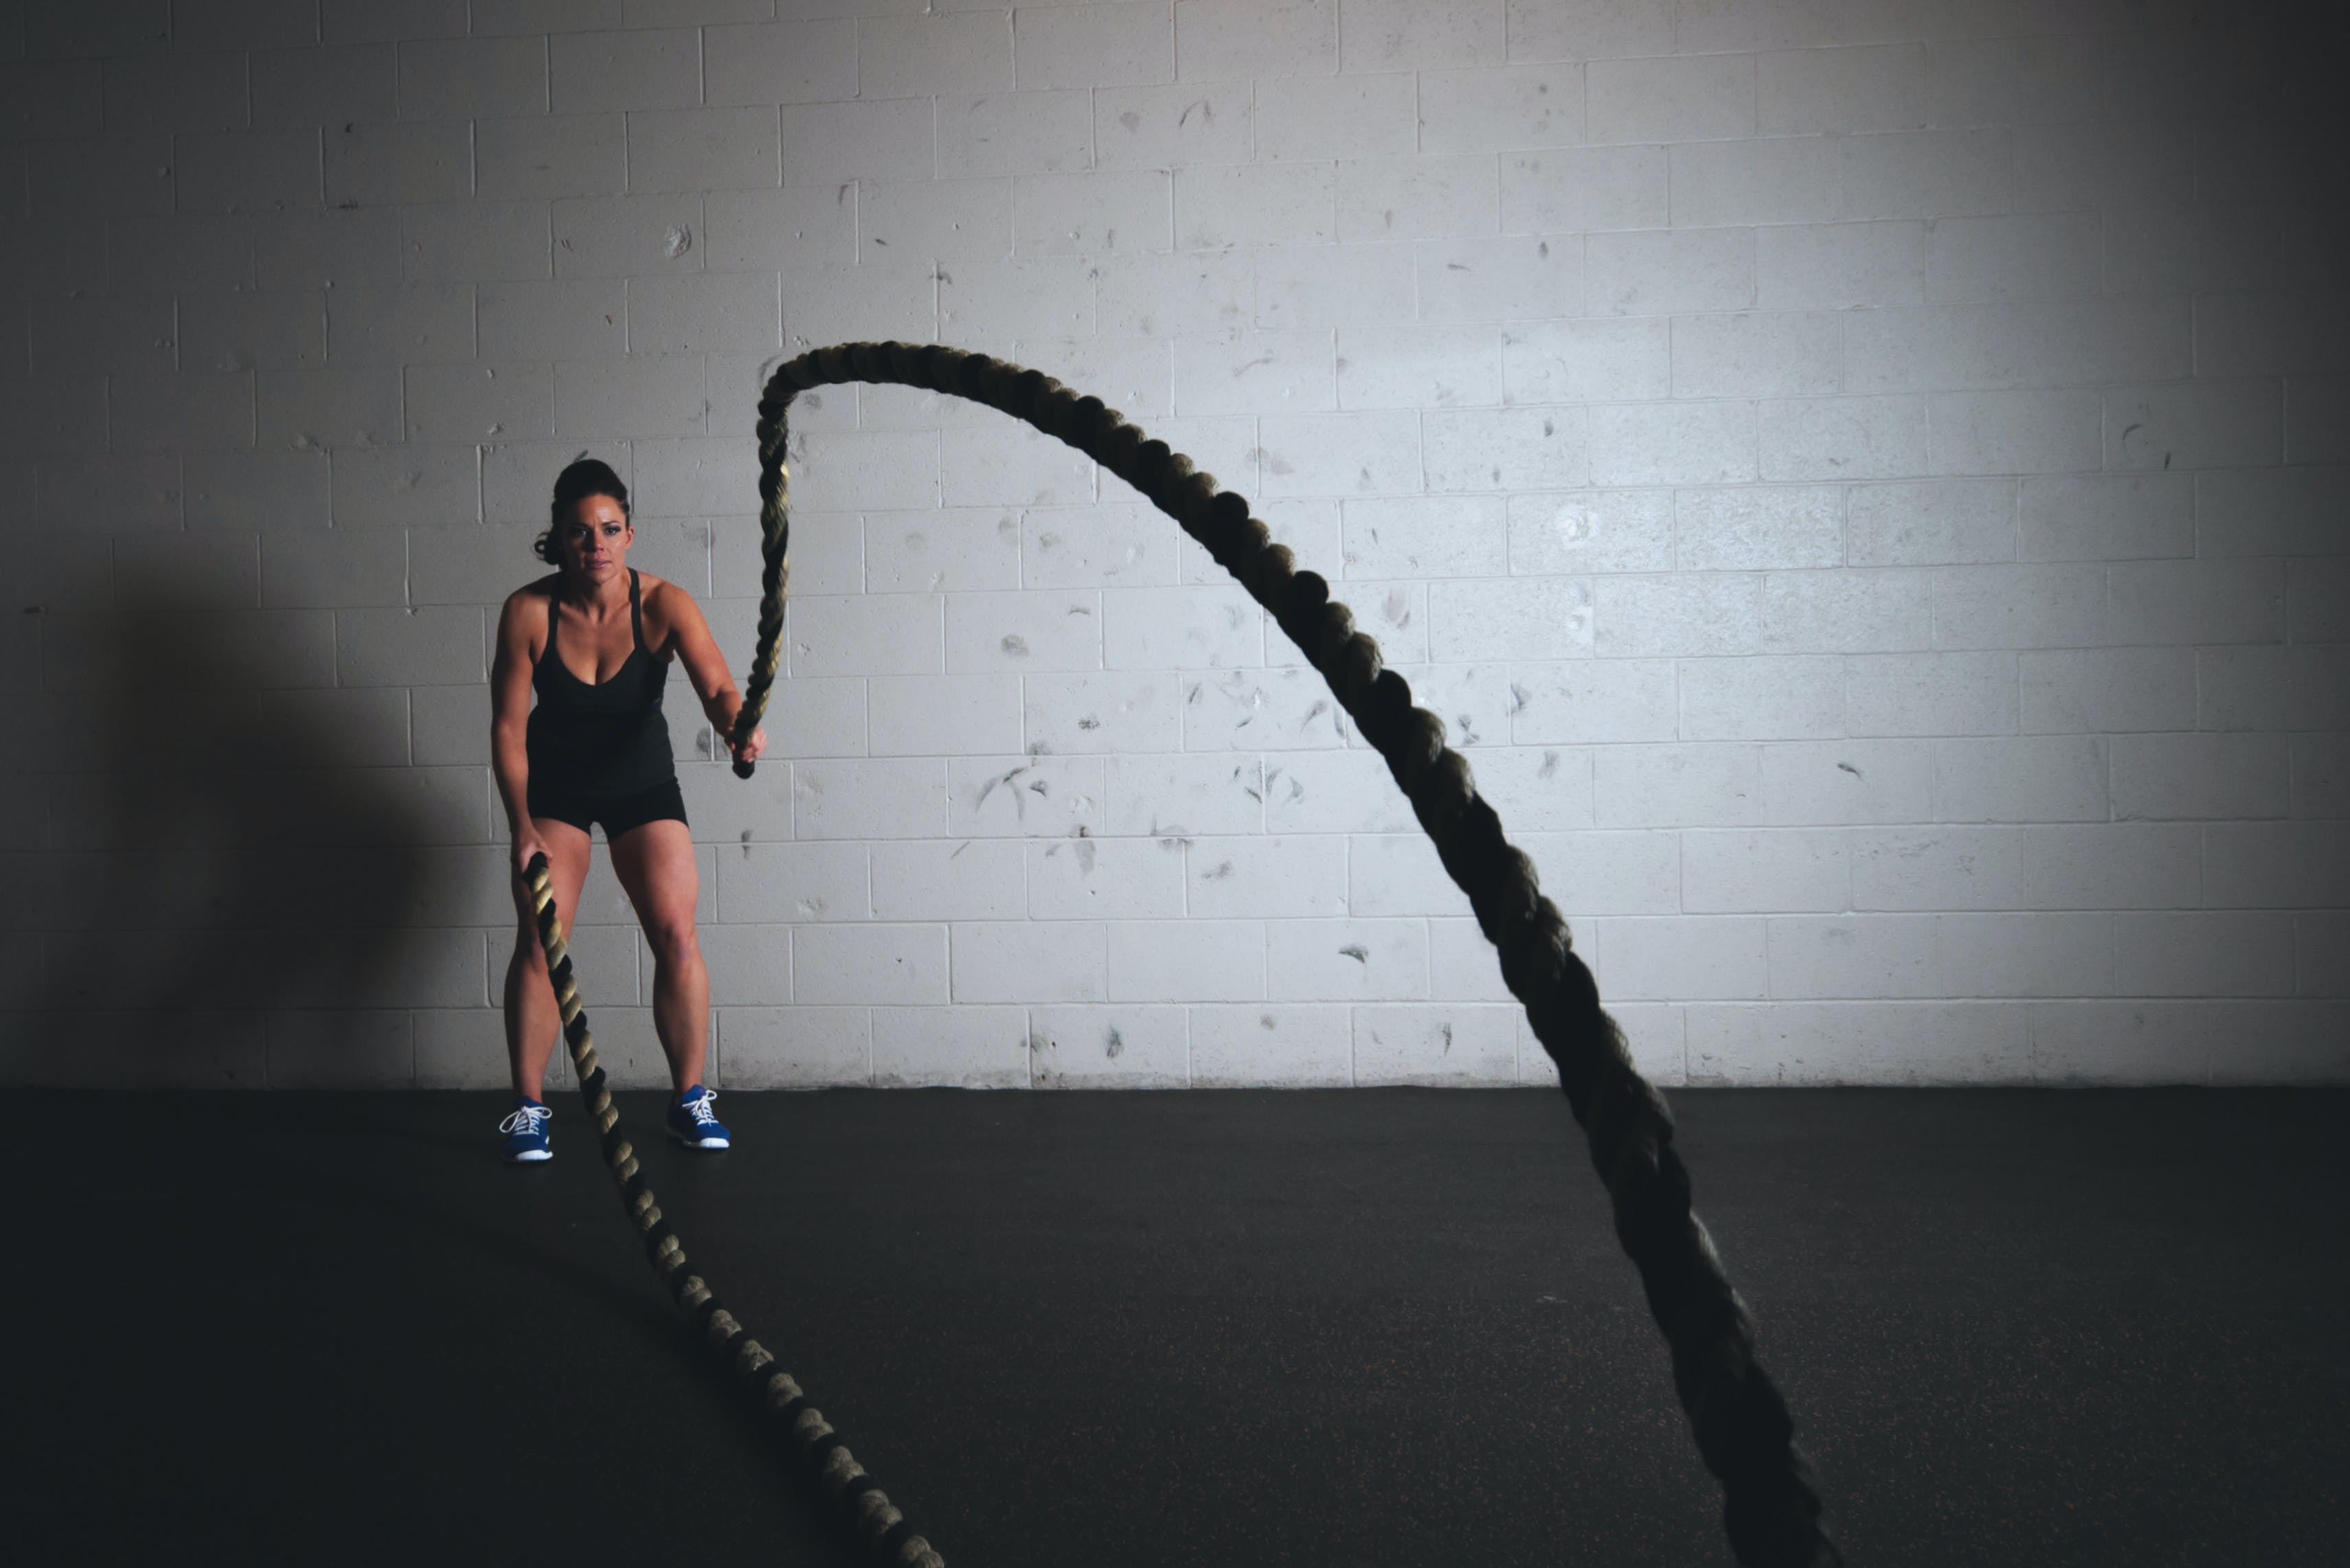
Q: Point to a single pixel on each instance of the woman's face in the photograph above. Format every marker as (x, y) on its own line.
(595, 538)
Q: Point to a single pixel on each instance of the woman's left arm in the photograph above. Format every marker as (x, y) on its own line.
(705, 667)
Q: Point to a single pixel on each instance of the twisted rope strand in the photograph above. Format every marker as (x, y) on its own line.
(1771, 1507)
(870, 1514)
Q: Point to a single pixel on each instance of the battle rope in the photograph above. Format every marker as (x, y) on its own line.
(1769, 1507)
(870, 1513)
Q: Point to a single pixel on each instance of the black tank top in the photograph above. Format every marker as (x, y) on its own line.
(604, 738)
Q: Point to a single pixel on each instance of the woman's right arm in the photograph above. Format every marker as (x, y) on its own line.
(510, 671)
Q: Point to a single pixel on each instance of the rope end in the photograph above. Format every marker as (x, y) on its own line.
(743, 770)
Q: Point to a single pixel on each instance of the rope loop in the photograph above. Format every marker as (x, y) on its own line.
(1740, 1421)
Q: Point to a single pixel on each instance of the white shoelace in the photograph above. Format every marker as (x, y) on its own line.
(699, 1109)
(525, 1118)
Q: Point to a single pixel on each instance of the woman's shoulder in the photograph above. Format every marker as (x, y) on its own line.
(668, 607)
(538, 590)
(664, 600)
(531, 600)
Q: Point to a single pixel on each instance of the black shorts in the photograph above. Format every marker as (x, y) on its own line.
(618, 812)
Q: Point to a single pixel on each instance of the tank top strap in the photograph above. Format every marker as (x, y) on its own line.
(553, 618)
(637, 611)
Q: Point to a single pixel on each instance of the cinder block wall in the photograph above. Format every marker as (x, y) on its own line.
(1865, 482)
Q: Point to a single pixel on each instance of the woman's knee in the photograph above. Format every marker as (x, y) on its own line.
(672, 939)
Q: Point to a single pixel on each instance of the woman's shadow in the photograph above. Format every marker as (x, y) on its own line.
(244, 882)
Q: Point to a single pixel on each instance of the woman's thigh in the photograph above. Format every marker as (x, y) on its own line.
(656, 865)
(568, 849)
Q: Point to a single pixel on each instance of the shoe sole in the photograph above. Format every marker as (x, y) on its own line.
(532, 1157)
(700, 1143)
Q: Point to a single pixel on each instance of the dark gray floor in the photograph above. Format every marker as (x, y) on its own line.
(1376, 1327)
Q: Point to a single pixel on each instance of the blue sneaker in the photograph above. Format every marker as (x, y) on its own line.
(525, 1130)
(691, 1123)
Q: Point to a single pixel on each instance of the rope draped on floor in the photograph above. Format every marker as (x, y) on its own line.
(1770, 1507)
(870, 1513)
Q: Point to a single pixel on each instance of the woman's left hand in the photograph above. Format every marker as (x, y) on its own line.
(753, 747)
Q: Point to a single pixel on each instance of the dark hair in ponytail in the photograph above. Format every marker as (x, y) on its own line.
(588, 476)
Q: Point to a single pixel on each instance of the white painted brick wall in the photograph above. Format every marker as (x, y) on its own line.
(1864, 485)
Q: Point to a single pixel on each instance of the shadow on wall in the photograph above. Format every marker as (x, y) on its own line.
(242, 888)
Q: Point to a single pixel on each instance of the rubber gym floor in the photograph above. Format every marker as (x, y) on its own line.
(1353, 1327)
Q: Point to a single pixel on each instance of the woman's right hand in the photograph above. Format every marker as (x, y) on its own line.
(527, 844)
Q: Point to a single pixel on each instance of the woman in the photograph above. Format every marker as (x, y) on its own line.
(594, 640)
